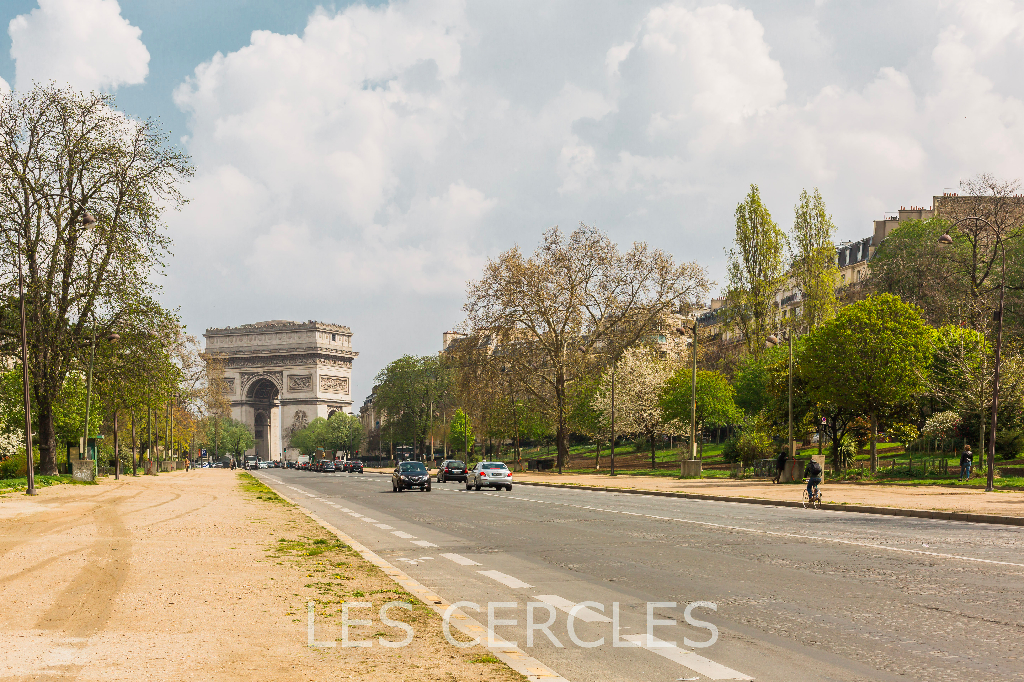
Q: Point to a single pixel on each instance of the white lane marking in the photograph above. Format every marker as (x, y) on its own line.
(384, 526)
(402, 534)
(423, 543)
(687, 659)
(772, 533)
(369, 520)
(417, 561)
(345, 509)
(356, 514)
(505, 579)
(461, 560)
(562, 604)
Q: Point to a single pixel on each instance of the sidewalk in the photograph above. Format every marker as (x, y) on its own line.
(931, 498)
(186, 575)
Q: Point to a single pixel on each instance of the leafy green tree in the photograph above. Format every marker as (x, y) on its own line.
(756, 272)
(716, 404)
(460, 432)
(84, 189)
(411, 392)
(870, 358)
(813, 255)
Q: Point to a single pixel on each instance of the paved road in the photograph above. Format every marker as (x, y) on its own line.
(800, 594)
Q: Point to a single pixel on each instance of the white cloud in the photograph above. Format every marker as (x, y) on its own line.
(86, 43)
(362, 171)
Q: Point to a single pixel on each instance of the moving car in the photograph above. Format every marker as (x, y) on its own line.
(410, 475)
(452, 470)
(328, 467)
(490, 474)
(354, 465)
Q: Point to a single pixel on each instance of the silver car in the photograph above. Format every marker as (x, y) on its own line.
(489, 474)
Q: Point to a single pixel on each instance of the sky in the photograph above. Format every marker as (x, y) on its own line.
(359, 163)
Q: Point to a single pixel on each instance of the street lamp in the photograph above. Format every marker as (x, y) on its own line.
(771, 342)
(693, 402)
(30, 464)
(947, 240)
(112, 338)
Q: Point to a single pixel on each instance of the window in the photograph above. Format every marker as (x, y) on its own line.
(334, 337)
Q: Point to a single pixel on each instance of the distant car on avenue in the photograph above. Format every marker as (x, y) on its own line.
(410, 475)
(354, 465)
(489, 475)
(452, 470)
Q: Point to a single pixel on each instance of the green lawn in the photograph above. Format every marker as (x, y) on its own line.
(9, 485)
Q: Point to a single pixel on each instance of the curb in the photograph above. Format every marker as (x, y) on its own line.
(854, 508)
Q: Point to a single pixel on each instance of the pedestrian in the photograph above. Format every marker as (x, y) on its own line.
(966, 463)
(780, 466)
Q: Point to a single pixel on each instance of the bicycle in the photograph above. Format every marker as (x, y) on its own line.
(813, 500)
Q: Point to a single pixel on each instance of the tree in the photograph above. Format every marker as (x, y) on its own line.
(409, 393)
(640, 378)
(576, 297)
(461, 432)
(83, 189)
(870, 358)
(756, 272)
(716, 404)
(813, 256)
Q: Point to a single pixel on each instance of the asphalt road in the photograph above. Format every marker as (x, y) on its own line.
(800, 594)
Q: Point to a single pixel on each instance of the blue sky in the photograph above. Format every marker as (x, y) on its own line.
(357, 164)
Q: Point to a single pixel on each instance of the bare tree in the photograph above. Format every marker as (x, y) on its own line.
(574, 298)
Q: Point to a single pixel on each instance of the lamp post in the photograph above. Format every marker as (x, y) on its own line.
(88, 393)
(693, 400)
(30, 488)
(947, 240)
(771, 342)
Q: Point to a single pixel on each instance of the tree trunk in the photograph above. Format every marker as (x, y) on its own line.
(47, 438)
(597, 457)
(134, 446)
(117, 458)
(654, 462)
(874, 442)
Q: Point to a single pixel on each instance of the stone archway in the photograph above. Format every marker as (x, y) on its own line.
(262, 397)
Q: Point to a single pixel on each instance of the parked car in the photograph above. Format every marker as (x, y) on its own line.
(410, 475)
(452, 470)
(489, 475)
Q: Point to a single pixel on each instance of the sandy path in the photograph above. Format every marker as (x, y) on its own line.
(181, 576)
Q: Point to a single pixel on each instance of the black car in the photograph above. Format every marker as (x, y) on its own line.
(451, 470)
(410, 475)
(328, 467)
(354, 466)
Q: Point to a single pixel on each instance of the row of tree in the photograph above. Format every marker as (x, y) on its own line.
(83, 192)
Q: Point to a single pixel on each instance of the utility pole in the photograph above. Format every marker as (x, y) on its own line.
(29, 461)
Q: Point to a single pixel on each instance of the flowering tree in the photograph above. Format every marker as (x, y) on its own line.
(640, 379)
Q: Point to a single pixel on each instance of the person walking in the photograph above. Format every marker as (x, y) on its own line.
(966, 463)
(780, 466)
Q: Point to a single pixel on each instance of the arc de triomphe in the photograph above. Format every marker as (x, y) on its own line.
(280, 375)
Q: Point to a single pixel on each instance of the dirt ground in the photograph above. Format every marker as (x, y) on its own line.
(196, 576)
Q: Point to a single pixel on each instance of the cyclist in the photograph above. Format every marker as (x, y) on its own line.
(813, 473)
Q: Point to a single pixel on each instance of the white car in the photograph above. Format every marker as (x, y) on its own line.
(489, 474)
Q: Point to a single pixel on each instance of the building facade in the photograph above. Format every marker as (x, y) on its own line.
(281, 375)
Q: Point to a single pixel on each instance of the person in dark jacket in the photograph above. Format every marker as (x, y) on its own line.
(780, 466)
(966, 463)
(813, 473)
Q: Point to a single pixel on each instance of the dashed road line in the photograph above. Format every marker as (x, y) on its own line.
(505, 579)
(461, 560)
(423, 543)
(402, 534)
(585, 614)
(687, 659)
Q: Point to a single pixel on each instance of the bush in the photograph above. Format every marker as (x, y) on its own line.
(1009, 443)
(731, 449)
